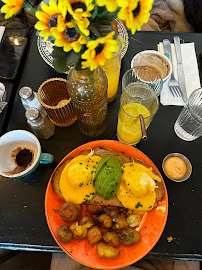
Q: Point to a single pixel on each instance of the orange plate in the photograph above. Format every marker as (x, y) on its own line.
(81, 251)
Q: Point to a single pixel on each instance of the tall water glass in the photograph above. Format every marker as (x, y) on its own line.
(189, 123)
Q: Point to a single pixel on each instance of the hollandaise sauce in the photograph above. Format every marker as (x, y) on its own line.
(76, 182)
(129, 126)
(137, 187)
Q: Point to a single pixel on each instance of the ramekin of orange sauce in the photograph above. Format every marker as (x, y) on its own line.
(177, 167)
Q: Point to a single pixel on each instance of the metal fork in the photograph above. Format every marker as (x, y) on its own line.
(2, 106)
(173, 84)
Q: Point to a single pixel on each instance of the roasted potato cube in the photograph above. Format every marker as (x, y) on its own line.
(79, 232)
(94, 235)
(64, 234)
(70, 212)
(133, 220)
(120, 221)
(106, 251)
(94, 209)
(88, 220)
(105, 221)
(111, 238)
(129, 236)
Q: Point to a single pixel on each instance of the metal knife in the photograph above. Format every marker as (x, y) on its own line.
(167, 48)
(180, 70)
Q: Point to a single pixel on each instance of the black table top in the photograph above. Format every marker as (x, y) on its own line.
(23, 225)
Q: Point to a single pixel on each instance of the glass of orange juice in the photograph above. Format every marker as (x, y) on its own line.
(138, 98)
(112, 69)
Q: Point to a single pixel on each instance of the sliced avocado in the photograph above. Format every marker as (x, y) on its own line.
(100, 165)
(107, 177)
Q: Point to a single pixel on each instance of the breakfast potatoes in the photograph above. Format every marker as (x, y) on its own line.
(111, 238)
(86, 219)
(106, 251)
(64, 234)
(94, 235)
(70, 212)
(94, 209)
(105, 221)
(129, 236)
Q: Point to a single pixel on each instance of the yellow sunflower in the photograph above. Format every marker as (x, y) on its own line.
(111, 5)
(69, 39)
(136, 13)
(48, 18)
(98, 51)
(79, 8)
(11, 7)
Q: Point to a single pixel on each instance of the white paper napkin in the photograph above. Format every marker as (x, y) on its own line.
(2, 29)
(190, 66)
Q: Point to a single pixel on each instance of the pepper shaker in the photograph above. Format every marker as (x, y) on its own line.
(29, 99)
(40, 124)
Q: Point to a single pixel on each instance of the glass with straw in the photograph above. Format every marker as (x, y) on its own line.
(138, 105)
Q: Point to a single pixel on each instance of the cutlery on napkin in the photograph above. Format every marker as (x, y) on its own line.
(190, 66)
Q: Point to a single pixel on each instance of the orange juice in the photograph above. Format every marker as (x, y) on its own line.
(112, 69)
(129, 127)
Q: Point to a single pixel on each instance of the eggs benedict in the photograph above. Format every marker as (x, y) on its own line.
(76, 181)
(137, 187)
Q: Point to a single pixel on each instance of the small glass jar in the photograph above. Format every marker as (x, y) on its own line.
(40, 124)
(30, 100)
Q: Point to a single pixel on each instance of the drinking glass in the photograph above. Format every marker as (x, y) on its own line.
(138, 98)
(145, 75)
(112, 70)
(188, 125)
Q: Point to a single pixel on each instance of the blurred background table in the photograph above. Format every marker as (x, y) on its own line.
(23, 223)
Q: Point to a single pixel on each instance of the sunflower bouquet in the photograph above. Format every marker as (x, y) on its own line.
(82, 30)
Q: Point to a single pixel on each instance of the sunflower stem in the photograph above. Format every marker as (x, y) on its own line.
(79, 31)
(91, 80)
(25, 5)
(102, 14)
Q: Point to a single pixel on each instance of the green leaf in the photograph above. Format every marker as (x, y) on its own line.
(78, 65)
(92, 27)
(102, 29)
(107, 17)
(58, 52)
(62, 60)
(94, 13)
(71, 57)
(60, 65)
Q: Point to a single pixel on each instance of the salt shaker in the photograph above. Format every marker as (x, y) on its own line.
(40, 124)
(29, 99)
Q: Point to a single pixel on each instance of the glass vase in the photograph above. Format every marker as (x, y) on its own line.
(88, 92)
(112, 69)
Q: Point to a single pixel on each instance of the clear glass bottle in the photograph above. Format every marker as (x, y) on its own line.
(30, 100)
(88, 93)
(40, 124)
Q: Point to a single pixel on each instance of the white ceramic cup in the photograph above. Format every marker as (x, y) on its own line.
(155, 60)
(20, 139)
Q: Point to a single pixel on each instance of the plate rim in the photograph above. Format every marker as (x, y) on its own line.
(71, 154)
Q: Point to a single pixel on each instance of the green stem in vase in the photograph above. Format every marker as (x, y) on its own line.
(91, 80)
(25, 5)
(79, 31)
